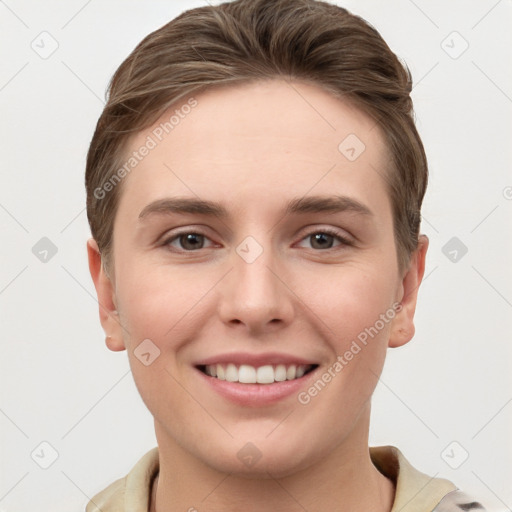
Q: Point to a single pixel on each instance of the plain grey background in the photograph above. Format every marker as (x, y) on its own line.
(444, 399)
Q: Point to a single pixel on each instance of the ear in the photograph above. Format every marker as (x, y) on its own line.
(109, 317)
(403, 329)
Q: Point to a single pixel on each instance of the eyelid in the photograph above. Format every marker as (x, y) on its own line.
(171, 237)
(344, 238)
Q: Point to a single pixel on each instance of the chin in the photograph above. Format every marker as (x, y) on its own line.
(260, 461)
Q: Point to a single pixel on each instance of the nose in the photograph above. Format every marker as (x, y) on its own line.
(254, 294)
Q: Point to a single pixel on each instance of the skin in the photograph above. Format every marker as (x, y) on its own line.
(253, 147)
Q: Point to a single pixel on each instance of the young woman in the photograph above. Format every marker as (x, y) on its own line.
(254, 187)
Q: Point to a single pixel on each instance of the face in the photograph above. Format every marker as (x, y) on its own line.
(256, 278)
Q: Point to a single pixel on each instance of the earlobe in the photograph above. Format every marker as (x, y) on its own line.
(403, 328)
(114, 344)
(105, 292)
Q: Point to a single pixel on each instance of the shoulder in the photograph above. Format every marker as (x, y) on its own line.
(416, 491)
(457, 501)
(111, 499)
(133, 489)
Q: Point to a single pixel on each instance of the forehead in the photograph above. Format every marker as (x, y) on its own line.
(258, 142)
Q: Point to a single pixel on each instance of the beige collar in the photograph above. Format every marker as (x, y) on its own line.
(414, 491)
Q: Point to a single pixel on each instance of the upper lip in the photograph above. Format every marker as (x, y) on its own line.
(256, 360)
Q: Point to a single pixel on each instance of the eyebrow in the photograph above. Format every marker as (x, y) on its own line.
(311, 204)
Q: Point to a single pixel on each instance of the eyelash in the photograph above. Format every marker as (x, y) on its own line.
(326, 231)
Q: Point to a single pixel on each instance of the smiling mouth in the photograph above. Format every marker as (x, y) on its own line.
(247, 374)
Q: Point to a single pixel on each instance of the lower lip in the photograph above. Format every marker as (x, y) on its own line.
(257, 395)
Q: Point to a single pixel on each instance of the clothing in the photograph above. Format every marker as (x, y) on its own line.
(415, 491)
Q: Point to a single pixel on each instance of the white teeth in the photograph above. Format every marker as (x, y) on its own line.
(247, 374)
(231, 373)
(265, 375)
(211, 370)
(280, 373)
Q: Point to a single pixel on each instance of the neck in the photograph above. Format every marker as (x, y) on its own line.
(346, 479)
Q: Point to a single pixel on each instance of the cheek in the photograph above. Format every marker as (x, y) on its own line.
(354, 309)
(357, 307)
(349, 300)
(169, 304)
(162, 303)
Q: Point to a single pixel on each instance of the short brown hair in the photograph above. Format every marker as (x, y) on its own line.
(248, 40)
